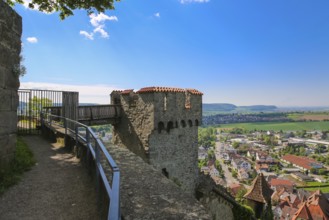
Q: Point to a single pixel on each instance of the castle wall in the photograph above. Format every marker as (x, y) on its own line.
(136, 123)
(162, 128)
(173, 147)
(10, 48)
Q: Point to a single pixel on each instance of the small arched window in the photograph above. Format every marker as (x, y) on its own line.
(170, 125)
(183, 123)
(176, 124)
(160, 126)
(190, 123)
(196, 122)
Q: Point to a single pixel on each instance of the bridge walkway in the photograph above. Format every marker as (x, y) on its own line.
(57, 187)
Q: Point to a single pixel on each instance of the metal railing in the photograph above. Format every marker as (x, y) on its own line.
(33, 101)
(91, 113)
(84, 134)
(98, 112)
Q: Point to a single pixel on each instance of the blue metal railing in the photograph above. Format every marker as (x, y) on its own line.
(96, 148)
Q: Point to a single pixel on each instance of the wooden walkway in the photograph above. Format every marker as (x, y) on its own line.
(57, 187)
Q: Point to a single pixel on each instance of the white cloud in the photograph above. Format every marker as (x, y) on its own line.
(98, 22)
(100, 30)
(89, 36)
(157, 14)
(192, 1)
(32, 40)
(99, 94)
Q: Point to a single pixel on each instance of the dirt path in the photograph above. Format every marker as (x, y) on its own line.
(58, 187)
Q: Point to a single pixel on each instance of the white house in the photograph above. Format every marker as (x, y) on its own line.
(214, 172)
(242, 174)
(241, 164)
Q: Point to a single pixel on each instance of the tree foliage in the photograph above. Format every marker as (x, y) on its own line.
(36, 104)
(66, 7)
(207, 137)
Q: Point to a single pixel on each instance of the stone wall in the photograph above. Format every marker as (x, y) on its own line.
(161, 126)
(10, 48)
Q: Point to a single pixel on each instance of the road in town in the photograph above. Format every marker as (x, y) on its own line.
(229, 179)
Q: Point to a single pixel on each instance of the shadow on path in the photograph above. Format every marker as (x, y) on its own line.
(57, 187)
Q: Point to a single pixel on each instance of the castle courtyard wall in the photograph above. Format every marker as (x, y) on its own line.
(10, 48)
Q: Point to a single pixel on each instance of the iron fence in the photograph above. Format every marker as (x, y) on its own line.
(32, 102)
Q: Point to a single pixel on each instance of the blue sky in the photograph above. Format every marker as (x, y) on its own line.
(240, 52)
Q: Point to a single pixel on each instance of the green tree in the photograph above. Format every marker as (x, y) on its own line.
(239, 195)
(267, 214)
(218, 166)
(36, 104)
(234, 173)
(202, 163)
(235, 145)
(66, 7)
(211, 154)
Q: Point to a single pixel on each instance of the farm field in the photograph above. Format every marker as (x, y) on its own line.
(277, 126)
(314, 116)
(313, 186)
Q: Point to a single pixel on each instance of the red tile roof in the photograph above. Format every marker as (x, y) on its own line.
(304, 162)
(234, 188)
(316, 207)
(260, 190)
(168, 89)
(127, 91)
(288, 211)
(281, 182)
(302, 213)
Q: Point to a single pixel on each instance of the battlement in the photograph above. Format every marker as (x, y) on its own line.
(159, 89)
(160, 124)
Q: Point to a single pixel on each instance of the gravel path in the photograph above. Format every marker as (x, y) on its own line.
(57, 187)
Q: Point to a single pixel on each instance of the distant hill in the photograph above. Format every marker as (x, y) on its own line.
(259, 108)
(217, 108)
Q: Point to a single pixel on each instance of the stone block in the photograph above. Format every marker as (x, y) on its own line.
(7, 149)
(5, 56)
(3, 72)
(8, 100)
(11, 80)
(8, 122)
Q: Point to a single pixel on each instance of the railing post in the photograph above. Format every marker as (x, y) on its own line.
(88, 159)
(50, 120)
(65, 127)
(41, 119)
(97, 159)
(76, 136)
(114, 207)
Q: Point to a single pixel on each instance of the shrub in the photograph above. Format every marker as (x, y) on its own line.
(23, 161)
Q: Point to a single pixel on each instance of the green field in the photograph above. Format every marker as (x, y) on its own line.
(277, 126)
(324, 187)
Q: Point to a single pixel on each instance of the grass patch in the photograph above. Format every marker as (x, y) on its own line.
(313, 186)
(277, 126)
(23, 161)
(317, 184)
